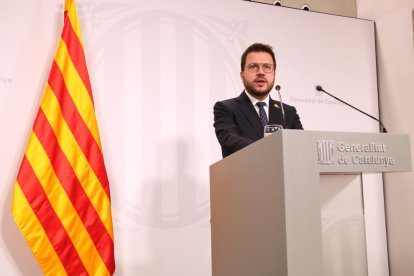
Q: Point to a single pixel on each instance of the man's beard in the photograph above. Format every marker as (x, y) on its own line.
(257, 93)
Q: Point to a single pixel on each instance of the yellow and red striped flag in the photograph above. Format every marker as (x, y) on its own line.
(61, 200)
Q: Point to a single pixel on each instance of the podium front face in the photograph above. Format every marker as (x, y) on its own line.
(266, 198)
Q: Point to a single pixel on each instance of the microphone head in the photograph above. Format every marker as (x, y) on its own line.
(319, 88)
(277, 87)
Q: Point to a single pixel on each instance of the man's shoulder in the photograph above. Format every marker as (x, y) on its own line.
(233, 101)
(230, 101)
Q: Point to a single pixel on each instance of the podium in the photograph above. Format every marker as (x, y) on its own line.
(265, 198)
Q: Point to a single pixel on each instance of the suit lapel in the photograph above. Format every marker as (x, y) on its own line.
(275, 112)
(250, 113)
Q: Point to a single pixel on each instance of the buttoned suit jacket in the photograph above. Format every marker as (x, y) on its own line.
(238, 125)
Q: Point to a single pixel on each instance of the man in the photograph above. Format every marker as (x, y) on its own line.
(240, 121)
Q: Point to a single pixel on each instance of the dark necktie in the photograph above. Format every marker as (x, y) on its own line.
(262, 113)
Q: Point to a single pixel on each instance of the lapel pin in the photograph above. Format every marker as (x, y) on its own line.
(276, 105)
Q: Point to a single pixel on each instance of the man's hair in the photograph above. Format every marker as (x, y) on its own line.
(257, 47)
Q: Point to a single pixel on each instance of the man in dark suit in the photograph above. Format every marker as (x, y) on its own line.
(240, 121)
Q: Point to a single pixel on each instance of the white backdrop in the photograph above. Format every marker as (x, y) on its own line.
(157, 68)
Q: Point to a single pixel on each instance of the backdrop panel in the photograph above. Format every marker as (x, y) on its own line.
(157, 68)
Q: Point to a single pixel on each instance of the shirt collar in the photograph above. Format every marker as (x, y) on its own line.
(255, 101)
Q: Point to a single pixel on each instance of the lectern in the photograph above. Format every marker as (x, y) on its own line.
(265, 199)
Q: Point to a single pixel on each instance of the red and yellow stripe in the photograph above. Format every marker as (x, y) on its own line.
(61, 199)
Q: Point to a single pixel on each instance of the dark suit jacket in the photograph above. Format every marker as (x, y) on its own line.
(237, 123)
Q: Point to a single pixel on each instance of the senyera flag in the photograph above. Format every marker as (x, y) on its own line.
(61, 199)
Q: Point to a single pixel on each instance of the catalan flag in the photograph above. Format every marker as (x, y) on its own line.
(61, 199)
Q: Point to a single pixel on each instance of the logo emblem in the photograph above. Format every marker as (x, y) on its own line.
(325, 152)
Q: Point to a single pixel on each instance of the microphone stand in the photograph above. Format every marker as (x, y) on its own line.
(277, 87)
(382, 128)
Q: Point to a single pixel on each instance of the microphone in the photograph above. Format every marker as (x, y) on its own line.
(277, 87)
(382, 128)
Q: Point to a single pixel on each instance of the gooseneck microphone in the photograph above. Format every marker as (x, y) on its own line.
(382, 128)
(277, 87)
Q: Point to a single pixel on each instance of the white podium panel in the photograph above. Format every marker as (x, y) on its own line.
(266, 198)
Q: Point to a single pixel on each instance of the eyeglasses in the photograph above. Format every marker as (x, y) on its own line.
(254, 67)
